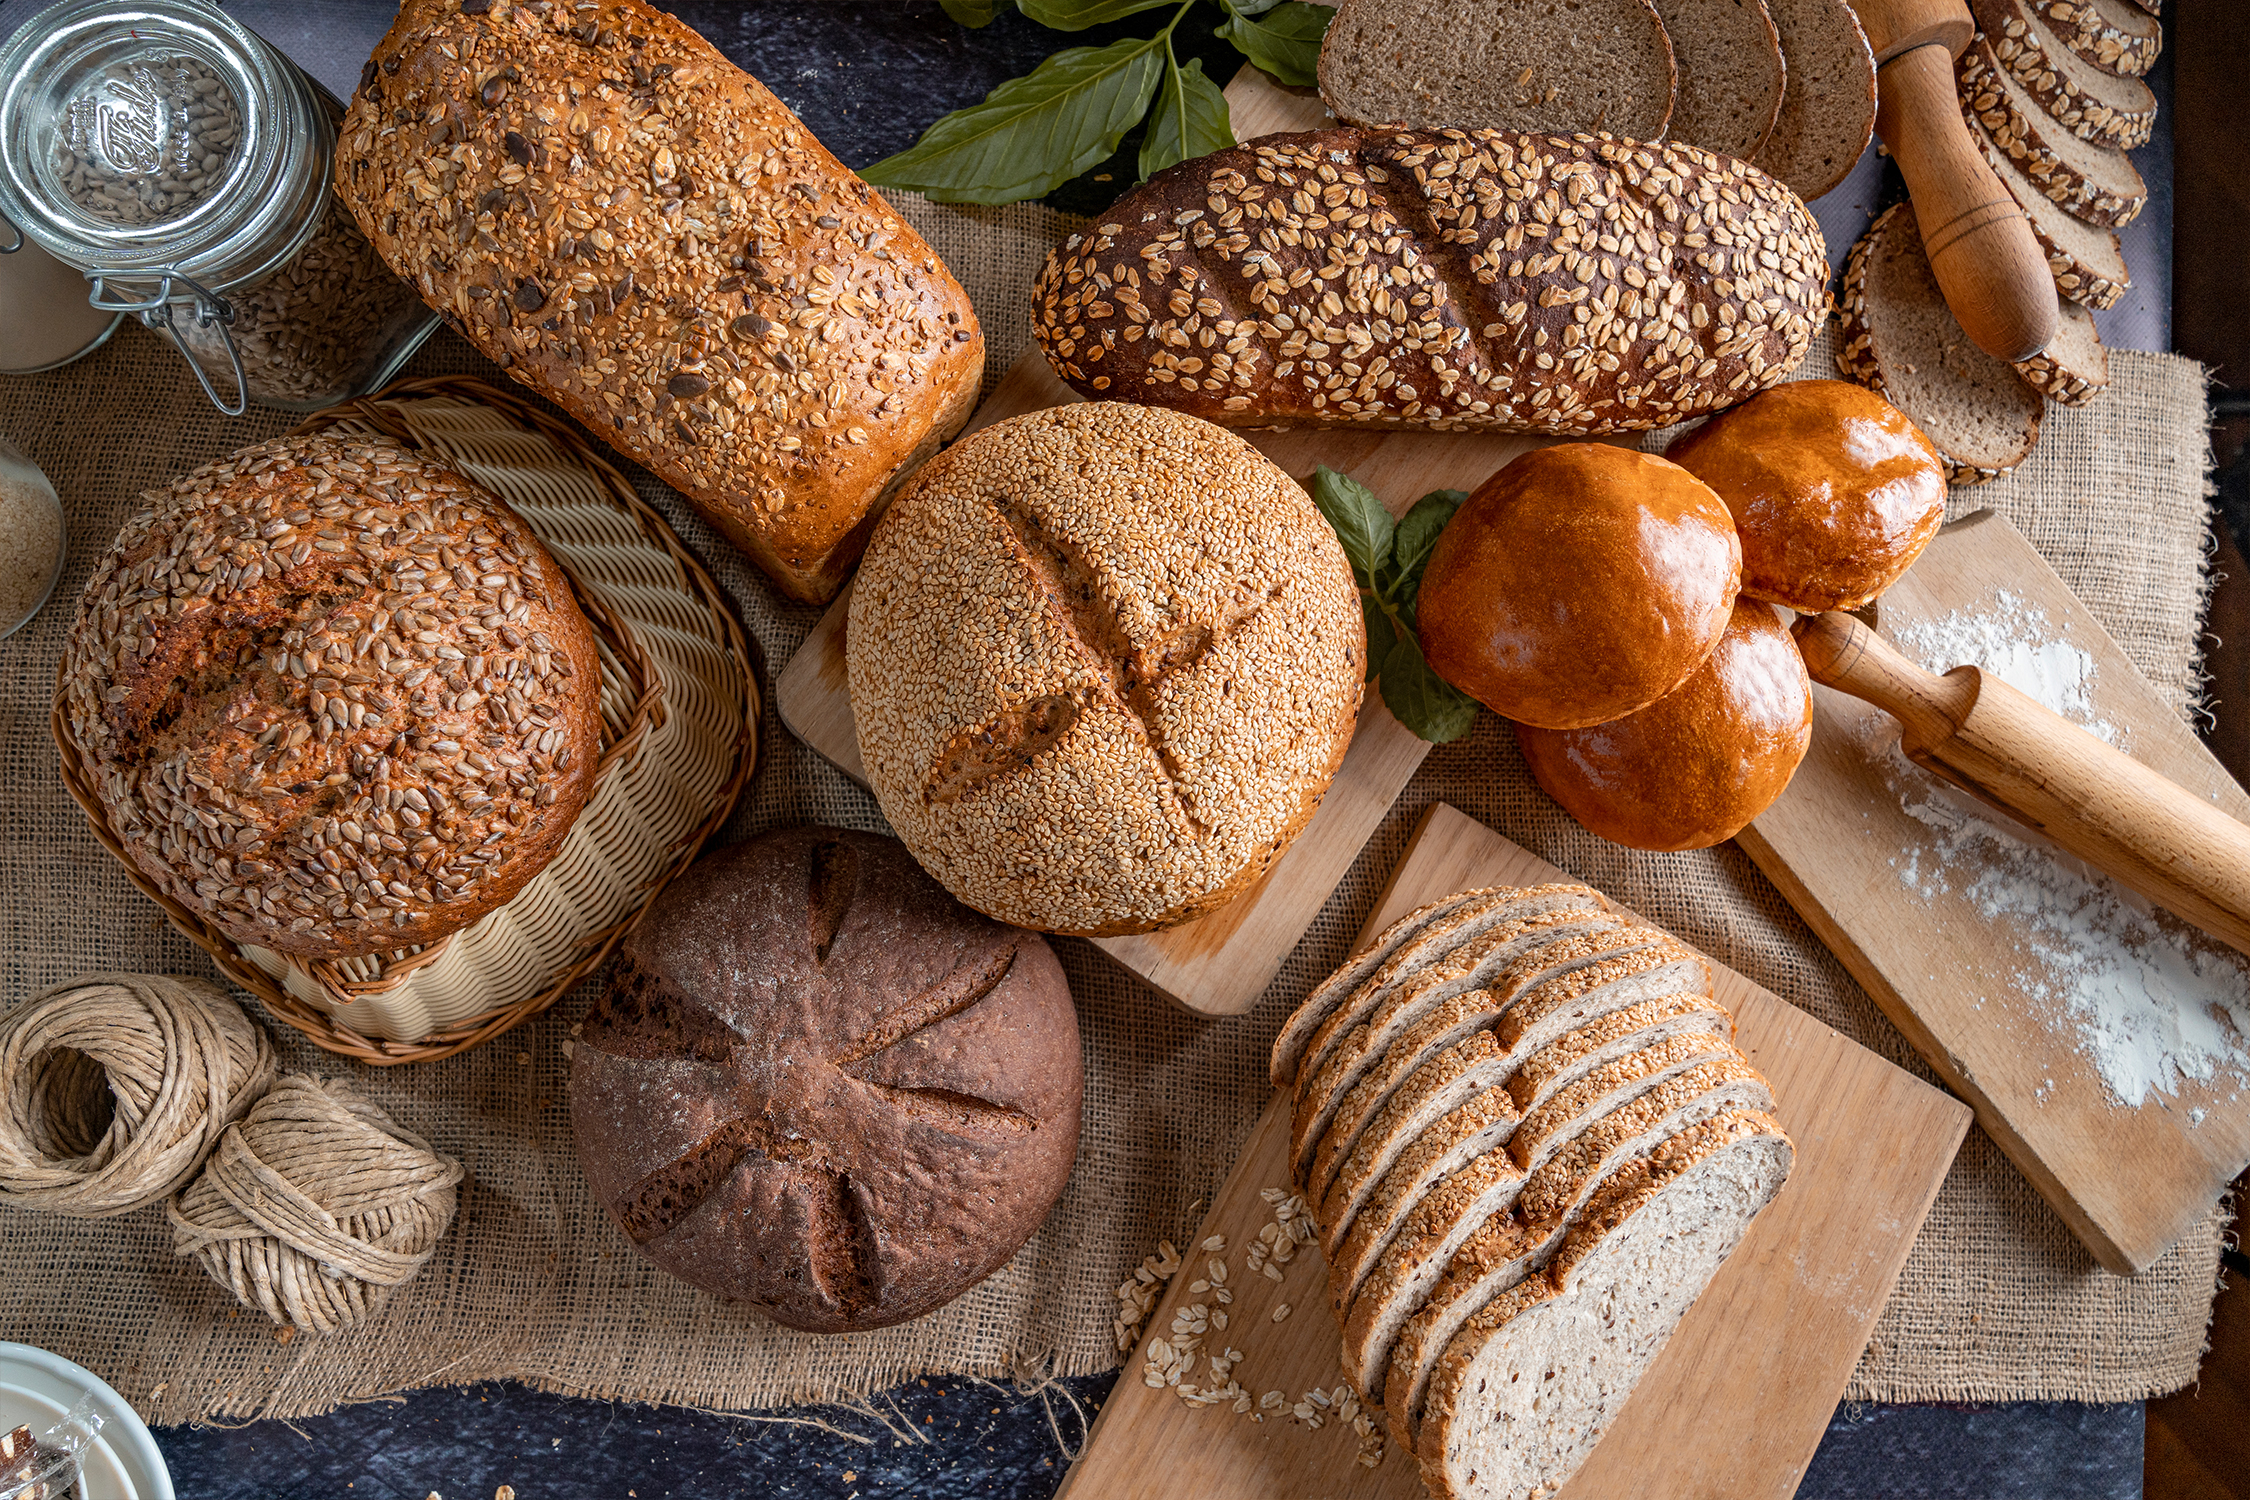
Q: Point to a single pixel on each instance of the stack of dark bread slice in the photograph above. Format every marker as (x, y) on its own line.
(2052, 93)
(1514, 1105)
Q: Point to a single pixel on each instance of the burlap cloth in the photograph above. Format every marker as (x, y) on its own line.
(534, 1284)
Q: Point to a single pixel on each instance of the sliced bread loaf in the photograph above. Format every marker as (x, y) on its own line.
(1297, 1031)
(1522, 1393)
(1555, 1188)
(2110, 34)
(1449, 1145)
(2097, 183)
(1558, 67)
(1828, 109)
(1448, 1082)
(1570, 1057)
(1731, 75)
(1540, 1134)
(2102, 107)
(2088, 262)
(1901, 342)
(2074, 366)
(1553, 1010)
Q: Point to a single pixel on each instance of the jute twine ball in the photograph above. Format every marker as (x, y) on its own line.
(114, 1087)
(315, 1205)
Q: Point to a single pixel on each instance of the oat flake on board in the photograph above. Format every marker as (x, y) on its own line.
(2150, 1003)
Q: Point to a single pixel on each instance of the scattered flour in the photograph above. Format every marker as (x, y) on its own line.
(2149, 1002)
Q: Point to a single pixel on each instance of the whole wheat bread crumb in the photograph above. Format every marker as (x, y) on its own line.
(1731, 78)
(1828, 111)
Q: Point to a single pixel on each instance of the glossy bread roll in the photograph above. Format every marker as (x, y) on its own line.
(1834, 490)
(1693, 768)
(1580, 583)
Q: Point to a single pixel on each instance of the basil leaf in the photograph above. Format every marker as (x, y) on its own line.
(1285, 41)
(973, 13)
(1381, 634)
(1077, 15)
(1423, 701)
(1191, 119)
(1032, 134)
(1361, 523)
(1249, 7)
(1417, 536)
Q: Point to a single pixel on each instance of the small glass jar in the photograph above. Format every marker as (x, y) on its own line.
(184, 166)
(33, 539)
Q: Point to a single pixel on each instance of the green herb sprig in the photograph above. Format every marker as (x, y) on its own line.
(1033, 134)
(1387, 559)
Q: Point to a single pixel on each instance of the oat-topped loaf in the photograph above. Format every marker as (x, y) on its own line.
(636, 229)
(1453, 280)
(1104, 660)
(334, 696)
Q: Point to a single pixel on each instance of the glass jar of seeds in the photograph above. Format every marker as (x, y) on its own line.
(183, 165)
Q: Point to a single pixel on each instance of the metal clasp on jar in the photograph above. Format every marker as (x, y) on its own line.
(156, 311)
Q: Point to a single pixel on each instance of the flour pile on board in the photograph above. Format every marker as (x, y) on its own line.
(2149, 1002)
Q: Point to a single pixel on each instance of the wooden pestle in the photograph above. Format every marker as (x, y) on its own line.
(2014, 753)
(1991, 269)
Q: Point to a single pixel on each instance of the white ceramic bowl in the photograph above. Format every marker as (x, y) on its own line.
(38, 1388)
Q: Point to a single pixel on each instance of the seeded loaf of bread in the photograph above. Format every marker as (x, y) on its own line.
(2093, 103)
(1557, 67)
(1900, 340)
(1523, 1392)
(2087, 260)
(1104, 660)
(2097, 183)
(1828, 112)
(820, 1085)
(2113, 34)
(1732, 78)
(640, 232)
(2074, 367)
(1455, 281)
(334, 696)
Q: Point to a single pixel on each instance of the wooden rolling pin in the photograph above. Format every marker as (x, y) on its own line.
(1993, 273)
(2019, 756)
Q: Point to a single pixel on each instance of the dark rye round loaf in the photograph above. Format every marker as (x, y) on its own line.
(334, 696)
(819, 1084)
(1449, 280)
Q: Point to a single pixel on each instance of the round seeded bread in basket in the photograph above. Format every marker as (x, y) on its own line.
(679, 739)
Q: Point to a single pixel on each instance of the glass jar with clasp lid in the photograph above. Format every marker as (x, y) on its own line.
(184, 166)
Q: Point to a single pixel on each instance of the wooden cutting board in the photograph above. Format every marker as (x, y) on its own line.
(1220, 964)
(1966, 986)
(1735, 1404)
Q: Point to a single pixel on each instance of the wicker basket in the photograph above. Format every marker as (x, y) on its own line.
(679, 739)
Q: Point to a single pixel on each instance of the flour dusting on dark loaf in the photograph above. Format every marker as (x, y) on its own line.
(334, 696)
(639, 231)
(1451, 280)
(819, 1084)
(1104, 660)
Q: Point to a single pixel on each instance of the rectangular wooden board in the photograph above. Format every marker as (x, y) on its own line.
(1963, 984)
(1221, 963)
(1738, 1400)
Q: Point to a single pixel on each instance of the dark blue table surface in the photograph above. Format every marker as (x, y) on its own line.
(867, 76)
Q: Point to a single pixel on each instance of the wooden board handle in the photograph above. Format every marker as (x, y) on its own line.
(2030, 762)
(1992, 271)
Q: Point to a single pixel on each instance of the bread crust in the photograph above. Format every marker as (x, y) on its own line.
(2098, 286)
(2074, 367)
(1104, 661)
(2096, 105)
(2119, 36)
(1448, 280)
(639, 231)
(1307, 1019)
(1834, 491)
(317, 683)
(2043, 148)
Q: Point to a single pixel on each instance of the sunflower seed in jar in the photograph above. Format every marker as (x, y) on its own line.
(148, 140)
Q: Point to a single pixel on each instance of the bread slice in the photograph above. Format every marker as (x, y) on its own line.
(1431, 1028)
(1901, 342)
(1297, 1031)
(1523, 1392)
(1447, 1083)
(2098, 184)
(1669, 968)
(1557, 67)
(2109, 34)
(1449, 1145)
(1553, 1189)
(2088, 262)
(1429, 951)
(1828, 110)
(1731, 77)
(2074, 366)
(1567, 1059)
(1487, 959)
(1540, 1134)
(2100, 107)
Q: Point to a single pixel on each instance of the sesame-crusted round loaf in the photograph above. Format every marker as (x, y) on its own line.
(1104, 660)
(1455, 280)
(334, 696)
(820, 1085)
